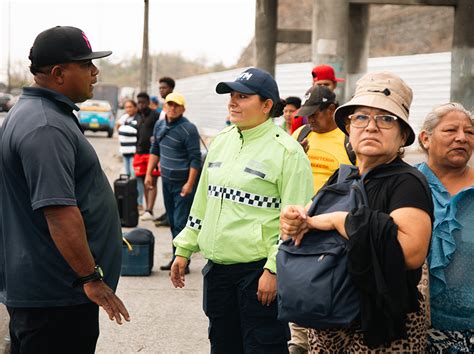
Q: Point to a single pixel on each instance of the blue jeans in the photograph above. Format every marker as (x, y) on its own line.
(127, 161)
(177, 207)
(140, 190)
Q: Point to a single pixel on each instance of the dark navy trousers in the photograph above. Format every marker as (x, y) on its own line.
(238, 323)
(54, 330)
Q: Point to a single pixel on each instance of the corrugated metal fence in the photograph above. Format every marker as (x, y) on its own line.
(429, 75)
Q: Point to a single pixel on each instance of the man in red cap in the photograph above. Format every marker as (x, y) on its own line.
(323, 75)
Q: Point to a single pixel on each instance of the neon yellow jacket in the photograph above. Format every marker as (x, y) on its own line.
(247, 178)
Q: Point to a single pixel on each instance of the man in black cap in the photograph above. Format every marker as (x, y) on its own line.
(60, 233)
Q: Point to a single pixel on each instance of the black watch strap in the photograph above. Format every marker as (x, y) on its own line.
(98, 274)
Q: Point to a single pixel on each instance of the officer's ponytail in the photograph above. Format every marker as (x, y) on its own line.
(277, 109)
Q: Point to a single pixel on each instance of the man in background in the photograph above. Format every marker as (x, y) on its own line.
(176, 147)
(323, 75)
(145, 126)
(166, 86)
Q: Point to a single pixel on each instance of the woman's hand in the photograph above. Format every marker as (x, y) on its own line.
(293, 222)
(177, 271)
(267, 288)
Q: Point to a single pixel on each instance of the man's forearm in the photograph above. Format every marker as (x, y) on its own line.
(152, 163)
(193, 173)
(68, 232)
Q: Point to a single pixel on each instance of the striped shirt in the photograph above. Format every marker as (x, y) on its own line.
(128, 136)
(177, 145)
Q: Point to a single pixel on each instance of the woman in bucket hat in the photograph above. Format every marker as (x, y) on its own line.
(376, 120)
(252, 170)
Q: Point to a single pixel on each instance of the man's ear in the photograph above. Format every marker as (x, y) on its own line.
(57, 73)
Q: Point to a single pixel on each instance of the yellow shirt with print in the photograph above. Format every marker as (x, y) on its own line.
(326, 152)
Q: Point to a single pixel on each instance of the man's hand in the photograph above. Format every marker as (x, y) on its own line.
(293, 223)
(187, 189)
(149, 182)
(102, 295)
(267, 288)
(177, 271)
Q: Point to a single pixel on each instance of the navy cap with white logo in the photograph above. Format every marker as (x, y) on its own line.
(252, 81)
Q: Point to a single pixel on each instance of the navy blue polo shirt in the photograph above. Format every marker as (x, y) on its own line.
(177, 145)
(45, 160)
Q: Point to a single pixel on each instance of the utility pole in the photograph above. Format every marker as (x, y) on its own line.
(144, 63)
(266, 34)
(9, 74)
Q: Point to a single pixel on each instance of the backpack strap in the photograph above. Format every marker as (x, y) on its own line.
(304, 133)
(347, 145)
(349, 150)
(346, 171)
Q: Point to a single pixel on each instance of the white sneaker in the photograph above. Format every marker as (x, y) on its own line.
(147, 216)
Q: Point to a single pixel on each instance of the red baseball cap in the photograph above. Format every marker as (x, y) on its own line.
(324, 72)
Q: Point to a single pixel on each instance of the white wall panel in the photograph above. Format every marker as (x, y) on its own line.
(429, 75)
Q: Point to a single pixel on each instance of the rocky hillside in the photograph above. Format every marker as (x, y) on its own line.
(394, 30)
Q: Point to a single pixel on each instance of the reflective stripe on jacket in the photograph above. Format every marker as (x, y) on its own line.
(247, 178)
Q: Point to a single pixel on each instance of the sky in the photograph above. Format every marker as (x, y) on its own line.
(211, 30)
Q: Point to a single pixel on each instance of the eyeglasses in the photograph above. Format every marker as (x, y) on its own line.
(382, 121)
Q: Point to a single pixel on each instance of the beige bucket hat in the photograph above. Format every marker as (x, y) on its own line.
(382, 90)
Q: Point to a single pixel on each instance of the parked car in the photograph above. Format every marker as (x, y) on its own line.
(97, 115)
(6, 102)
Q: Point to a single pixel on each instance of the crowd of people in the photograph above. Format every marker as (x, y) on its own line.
(410, 246)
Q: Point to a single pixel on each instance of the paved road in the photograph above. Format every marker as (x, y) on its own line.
(164, 319)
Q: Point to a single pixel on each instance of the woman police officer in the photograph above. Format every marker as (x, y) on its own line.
(252, 170)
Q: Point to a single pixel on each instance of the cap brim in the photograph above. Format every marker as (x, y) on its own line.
(228, 87)
(306, 111)
(175, 101)
(93, 55)
(339, 79)
(375, 101)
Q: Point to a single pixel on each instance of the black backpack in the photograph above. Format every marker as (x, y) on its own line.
(347, 145)
(315, 289)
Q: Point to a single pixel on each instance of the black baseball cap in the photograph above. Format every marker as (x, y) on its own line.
(318, 96)
(252, 81)
(62, 44)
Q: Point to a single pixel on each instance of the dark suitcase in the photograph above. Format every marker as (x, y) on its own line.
(125, 189)
(137, 252)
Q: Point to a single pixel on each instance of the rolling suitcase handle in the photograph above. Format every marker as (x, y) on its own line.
(124, 176)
